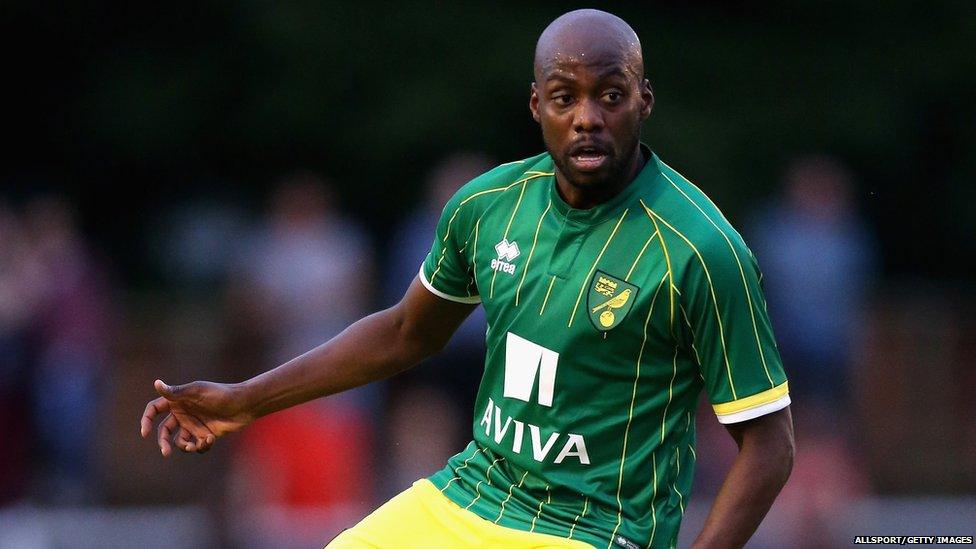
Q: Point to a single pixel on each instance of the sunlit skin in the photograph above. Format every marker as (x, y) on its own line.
(590, 97)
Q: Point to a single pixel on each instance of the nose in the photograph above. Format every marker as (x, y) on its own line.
(588, 117)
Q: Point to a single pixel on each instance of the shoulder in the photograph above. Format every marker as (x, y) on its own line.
(478, 194)
(699, 234)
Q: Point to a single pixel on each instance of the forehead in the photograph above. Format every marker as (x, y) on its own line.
(600, 60)
(581, 68)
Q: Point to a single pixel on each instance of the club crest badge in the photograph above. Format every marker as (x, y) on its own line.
(609, 300)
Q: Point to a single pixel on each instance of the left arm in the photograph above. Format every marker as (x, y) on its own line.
(727, 329)
(759, 472)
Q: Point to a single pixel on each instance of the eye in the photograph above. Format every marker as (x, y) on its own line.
(563, 99)
(613, 96)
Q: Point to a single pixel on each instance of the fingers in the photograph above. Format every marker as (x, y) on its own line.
(193, 435)
(201, 433)
(154, 408)
(183, 440)
(165, 433)
(203, 446)
(187, 442)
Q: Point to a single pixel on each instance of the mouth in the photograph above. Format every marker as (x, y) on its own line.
(588, 158)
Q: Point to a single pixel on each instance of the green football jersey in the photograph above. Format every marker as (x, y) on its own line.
(604, 325)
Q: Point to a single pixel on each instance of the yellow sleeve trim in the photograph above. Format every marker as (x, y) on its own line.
(749, 402)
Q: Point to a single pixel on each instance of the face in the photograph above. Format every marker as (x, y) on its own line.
(591, 113)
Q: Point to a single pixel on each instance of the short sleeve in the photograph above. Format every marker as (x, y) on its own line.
(447, 271)
(725, 312)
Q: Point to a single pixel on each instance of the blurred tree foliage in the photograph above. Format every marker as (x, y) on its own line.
(132, 107)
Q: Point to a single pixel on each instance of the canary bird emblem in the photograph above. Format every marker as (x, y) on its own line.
(609, 300)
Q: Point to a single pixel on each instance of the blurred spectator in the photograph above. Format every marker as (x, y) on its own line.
(195, 242)
(71, 327)
(16, 305)
(308, 272)
(818, 259)
(447, 383)
(300, 279)
(301, 476)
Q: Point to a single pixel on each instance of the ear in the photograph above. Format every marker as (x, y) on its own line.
(647, 98)
(534, 102)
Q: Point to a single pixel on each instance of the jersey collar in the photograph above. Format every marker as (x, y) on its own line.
(602, 212)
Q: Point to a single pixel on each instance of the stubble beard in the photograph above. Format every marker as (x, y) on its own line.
(612, 177)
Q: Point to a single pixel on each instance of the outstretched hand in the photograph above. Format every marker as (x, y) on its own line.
(197, 414)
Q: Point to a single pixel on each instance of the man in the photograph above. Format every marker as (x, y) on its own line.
(614, 292)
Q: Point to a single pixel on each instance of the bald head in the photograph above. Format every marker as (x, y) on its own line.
(588, 36)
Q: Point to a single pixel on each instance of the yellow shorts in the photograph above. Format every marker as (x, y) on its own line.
(422, 517)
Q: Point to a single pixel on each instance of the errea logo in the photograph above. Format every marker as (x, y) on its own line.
(507, 251)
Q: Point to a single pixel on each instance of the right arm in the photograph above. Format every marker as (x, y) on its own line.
(376, 347)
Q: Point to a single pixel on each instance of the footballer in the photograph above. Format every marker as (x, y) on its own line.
(615, 293)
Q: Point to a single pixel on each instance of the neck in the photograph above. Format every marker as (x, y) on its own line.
(584, 198)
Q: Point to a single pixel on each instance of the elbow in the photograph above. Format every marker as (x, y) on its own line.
(413, 342)
(425, 347)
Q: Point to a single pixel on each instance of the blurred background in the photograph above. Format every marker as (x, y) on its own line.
(204, 191)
